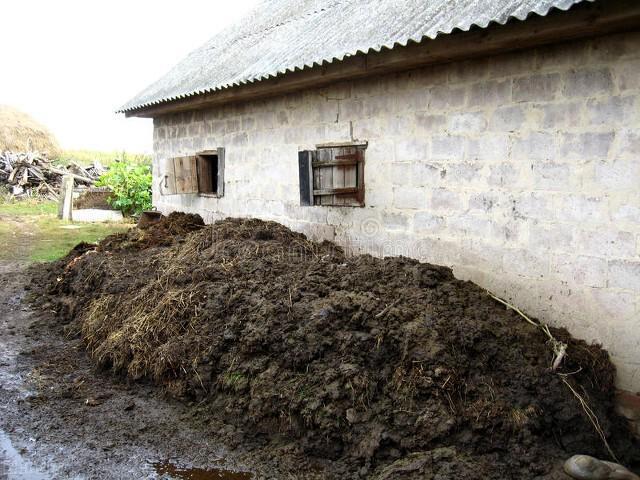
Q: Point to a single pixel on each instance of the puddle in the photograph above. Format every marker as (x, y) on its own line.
(179, 472)
(13, 466)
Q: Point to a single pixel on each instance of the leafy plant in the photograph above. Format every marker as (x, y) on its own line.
(131, 186)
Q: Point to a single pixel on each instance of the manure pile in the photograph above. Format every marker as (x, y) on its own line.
(390, 368)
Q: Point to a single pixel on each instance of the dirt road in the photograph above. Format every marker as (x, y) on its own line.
(61, 419)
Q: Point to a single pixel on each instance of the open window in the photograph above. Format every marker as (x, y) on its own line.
(208, 166)
(202, 173)
(332, 175)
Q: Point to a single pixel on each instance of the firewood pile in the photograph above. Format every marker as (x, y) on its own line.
(32, 174)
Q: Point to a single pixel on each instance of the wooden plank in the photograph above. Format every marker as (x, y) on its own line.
(305, 176)
(221, 163)
(583, 20)
(13, 174)
(75, 177)
(327, 180)
(351, 176)
(338, 175)
(65, 205)
(357, 143)
(351, 180)
(335, 191)
(167, 177)
(315, 175)
(333, 162)
(186, 174)
(325, 177)
(316, 185)
(350, 173)
(36, 172)
(360, 178)
(25, 176)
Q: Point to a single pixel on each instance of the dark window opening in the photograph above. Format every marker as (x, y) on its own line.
(207, 173)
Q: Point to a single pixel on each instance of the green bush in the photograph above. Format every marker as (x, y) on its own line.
(131, 186)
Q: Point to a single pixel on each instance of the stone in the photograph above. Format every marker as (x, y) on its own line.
(588, 82)
(585, 467)
(625, 274)
(427, 222)
(489, 146)
(409, 197)
(586, 146)
(612, 110)
(507, 118)
(535, 146)
(467, 122)
(444, 97)
(491, 92)
(97, 215)
(411, 150)
(537, 88)
(448, 147)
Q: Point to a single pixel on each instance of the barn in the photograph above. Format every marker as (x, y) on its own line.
(498, 137)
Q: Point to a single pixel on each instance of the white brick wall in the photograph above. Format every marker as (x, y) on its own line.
(521, 171)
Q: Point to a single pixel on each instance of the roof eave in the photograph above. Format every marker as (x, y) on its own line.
(584, 20)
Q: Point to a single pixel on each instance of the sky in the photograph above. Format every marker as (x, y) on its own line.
(71, 63)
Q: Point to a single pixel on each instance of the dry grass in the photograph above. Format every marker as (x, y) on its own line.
(21, 133)
(520, 417)
(126, 335)
(132, 335)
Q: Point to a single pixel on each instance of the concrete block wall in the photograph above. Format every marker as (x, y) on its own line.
(628, 405)
(520, 171)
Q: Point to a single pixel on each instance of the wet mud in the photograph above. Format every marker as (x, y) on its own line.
(61, 419)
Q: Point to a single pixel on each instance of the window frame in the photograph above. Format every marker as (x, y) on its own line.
(312, 163)
(180, 175)
(219, 187)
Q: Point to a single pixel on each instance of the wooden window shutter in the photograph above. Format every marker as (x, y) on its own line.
(167, 177)
(305, 159)
(338, 176)
(186, 174)
(220, 189)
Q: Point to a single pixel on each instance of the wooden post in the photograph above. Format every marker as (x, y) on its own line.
(65, 203)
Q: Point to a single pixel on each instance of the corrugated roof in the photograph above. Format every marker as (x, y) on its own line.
(281, 36)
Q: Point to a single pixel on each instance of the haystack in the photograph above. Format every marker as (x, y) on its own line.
(19, 132)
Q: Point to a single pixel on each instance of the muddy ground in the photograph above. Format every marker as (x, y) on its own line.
(59, 418)
(306, 363)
